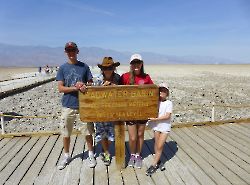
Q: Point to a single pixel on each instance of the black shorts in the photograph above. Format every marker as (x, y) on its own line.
(134, 122)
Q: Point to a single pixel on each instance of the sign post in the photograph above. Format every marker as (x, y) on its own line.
(118, 104)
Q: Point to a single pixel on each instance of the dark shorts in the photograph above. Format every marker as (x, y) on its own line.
(134, 122)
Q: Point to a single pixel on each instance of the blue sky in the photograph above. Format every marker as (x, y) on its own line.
(219, 28)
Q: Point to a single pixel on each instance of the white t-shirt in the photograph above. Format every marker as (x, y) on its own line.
(162, 125)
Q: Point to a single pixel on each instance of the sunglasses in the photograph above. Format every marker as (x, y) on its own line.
(136, 62)
(108, 68)
(70, 49)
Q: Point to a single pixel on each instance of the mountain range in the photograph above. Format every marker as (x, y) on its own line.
(33, 56)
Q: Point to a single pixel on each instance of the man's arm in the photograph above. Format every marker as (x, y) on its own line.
(63, 89)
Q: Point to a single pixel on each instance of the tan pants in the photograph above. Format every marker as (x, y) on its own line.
(68, 118)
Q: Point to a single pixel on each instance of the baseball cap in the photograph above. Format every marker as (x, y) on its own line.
(163, 85)
(135, 56)
(70, 45)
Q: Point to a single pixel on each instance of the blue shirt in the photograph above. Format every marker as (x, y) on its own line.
(70, 74)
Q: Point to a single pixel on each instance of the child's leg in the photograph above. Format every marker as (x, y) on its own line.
(110, 136)
(159, 143)
(105, 145)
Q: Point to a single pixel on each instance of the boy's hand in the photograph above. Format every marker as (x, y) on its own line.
(83, 88)
(78, 85)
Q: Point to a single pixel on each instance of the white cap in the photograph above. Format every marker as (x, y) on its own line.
(135, 56)
(163, 85)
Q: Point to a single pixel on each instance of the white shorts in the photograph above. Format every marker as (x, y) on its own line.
(160, 127)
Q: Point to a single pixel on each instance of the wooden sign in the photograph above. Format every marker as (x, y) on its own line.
(119, 103)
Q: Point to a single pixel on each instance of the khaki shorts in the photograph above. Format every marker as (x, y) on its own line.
(68, 118)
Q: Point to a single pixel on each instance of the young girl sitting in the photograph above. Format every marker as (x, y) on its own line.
(161, 127)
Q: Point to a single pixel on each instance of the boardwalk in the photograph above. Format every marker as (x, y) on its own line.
(193, 155)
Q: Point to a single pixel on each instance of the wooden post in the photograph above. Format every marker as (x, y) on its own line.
(212, 112)
(2, 123)
(120, 145)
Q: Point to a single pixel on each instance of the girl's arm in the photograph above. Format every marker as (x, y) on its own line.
(165, 117)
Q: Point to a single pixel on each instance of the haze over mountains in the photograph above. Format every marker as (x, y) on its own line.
(33, 56)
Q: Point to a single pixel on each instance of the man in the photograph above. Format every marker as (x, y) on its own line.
(72, 77)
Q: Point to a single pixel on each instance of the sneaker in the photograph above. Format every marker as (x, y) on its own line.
(91, 161)
(106, 159)
(151, 170)
(138, 162)
(161, 166)
(131, 161)
(64, 163)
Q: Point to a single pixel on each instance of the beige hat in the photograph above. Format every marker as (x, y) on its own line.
(108, 62)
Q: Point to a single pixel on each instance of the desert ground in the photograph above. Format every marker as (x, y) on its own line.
(194, 89)
(10, 72)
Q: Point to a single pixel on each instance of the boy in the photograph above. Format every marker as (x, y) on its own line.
(161, 127)
(72, 77)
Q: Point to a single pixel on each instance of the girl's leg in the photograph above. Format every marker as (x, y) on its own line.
(156, 137)
(140, 137)
(159, 146)
(132, 131)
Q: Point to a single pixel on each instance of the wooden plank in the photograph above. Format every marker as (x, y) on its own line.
(86, 174)
(59, 175)
(129, 102)
(158, 177)
(114, 174)
(50, 167)
(241, 168)
(141, 176)
(12, 153)
(101, 170)
(17, 160)
(175, 170)
(38, 164)
(188, 163)
(238, 137)
(10, 143)
(241, 150)
(242, 130)
(120, 145)
(128, 173)
(198, 158)
(72, 175)
(230, 151)
(245, 125)
(3, 141)
(22, 168)
(224, 165)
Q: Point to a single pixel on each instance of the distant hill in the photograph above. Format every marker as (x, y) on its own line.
(12, 55)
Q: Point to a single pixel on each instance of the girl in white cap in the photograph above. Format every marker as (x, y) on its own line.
(136, 76)
(161, 127)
